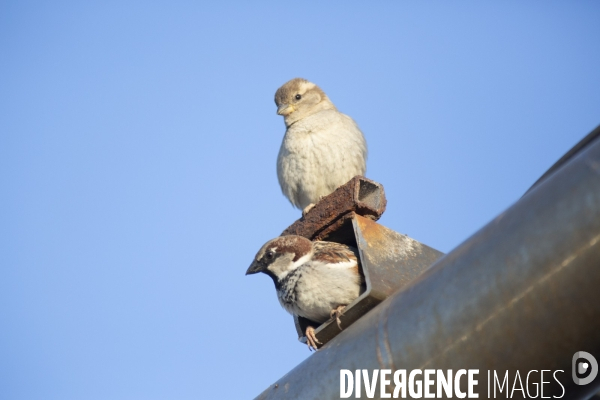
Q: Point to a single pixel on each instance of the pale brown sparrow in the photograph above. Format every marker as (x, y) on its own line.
(322, 148)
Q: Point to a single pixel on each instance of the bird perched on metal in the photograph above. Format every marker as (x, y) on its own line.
(322, 148)
(315, 280)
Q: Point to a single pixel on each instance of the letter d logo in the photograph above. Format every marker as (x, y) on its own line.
(581, 368)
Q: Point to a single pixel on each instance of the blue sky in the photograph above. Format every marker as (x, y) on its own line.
(137, 164)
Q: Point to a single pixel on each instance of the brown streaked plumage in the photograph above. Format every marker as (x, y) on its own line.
(331, 252)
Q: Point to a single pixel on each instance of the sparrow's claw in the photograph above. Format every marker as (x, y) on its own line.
(311, 339)
(307, 209)
(337, 313)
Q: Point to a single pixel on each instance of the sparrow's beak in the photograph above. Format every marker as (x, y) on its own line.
(255, 268)
(285, 109)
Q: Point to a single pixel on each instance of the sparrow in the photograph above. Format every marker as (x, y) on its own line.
(322, 148)
(315, 280)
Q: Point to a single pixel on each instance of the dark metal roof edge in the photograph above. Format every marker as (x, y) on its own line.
(520, 294)
(589, 138)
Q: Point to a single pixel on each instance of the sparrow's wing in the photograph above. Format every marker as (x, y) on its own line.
(335, 253)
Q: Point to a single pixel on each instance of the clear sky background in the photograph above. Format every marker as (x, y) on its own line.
(138, 143)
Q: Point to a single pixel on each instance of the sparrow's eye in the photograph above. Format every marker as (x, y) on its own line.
(298, 97)
(270, 254)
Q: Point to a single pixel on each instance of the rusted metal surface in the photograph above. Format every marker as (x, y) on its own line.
(389, 262)
(520, 294)
(360, 195)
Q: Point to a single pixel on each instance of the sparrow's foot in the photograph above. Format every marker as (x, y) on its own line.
(311, 339)
(337, 313)
(307, 209)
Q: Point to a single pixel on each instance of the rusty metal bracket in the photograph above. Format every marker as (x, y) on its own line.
(360, 195)
(389, 259)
